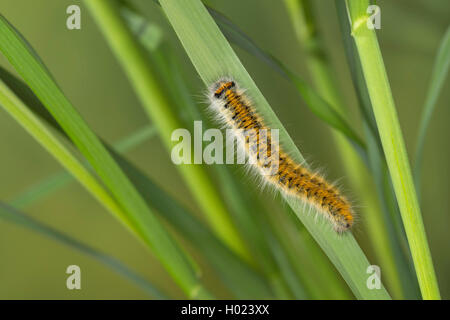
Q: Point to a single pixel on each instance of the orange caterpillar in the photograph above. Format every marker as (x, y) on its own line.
(235, 110)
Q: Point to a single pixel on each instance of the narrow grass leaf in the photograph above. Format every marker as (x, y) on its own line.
(438, 76)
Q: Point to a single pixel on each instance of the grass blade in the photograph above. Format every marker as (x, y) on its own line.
(213, 58)
(440, 71)
(393, 145)
(13, 216)
(138, 215)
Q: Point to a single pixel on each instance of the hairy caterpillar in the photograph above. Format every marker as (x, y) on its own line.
(235, 110)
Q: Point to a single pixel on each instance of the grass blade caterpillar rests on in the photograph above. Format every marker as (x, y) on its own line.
(234, 109)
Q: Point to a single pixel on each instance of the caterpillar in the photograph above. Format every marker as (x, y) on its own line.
(234, 110)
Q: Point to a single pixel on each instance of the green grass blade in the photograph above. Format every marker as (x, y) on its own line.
(11, 215)
(138, 215)
(438, 76)
(148, 87)
(213, 58)
(393, 145)
(42, 189)
(135, 139)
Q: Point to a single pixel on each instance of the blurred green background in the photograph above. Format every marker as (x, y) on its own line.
(32, 266)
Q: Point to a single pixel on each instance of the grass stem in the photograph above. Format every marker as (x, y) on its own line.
(393, 145)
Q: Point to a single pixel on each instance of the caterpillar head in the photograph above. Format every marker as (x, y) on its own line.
(218, 88)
